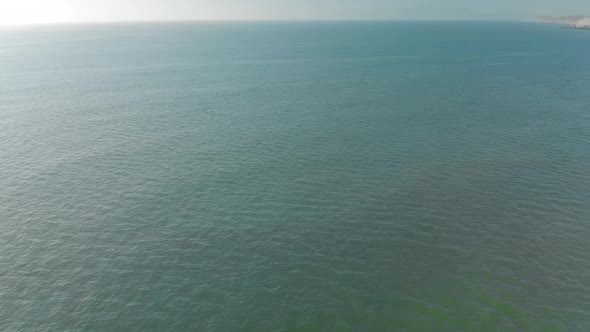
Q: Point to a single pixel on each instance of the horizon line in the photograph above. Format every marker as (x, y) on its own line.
(325, 20)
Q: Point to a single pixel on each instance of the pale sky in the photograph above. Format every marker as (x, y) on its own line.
(51, 11)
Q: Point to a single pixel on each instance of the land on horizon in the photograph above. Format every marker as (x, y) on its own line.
(574, 19)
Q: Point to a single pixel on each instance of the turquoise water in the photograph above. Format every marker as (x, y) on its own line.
(295, 177)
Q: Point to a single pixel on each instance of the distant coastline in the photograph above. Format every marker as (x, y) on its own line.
(577, 19)
(577, 22)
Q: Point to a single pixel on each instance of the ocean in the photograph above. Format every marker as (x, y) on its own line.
(311, 176)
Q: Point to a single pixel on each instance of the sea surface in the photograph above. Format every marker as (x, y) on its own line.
(391, 176)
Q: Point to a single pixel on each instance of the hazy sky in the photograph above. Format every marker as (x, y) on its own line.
(44, 11)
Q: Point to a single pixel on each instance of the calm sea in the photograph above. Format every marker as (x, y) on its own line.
(295, 177)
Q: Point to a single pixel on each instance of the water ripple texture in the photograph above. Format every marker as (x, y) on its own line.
(295, 177)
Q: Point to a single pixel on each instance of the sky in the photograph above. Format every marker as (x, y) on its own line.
(14, 12)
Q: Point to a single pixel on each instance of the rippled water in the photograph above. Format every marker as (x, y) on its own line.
(295, 177)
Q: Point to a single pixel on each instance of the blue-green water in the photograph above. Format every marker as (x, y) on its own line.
(295, 177)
